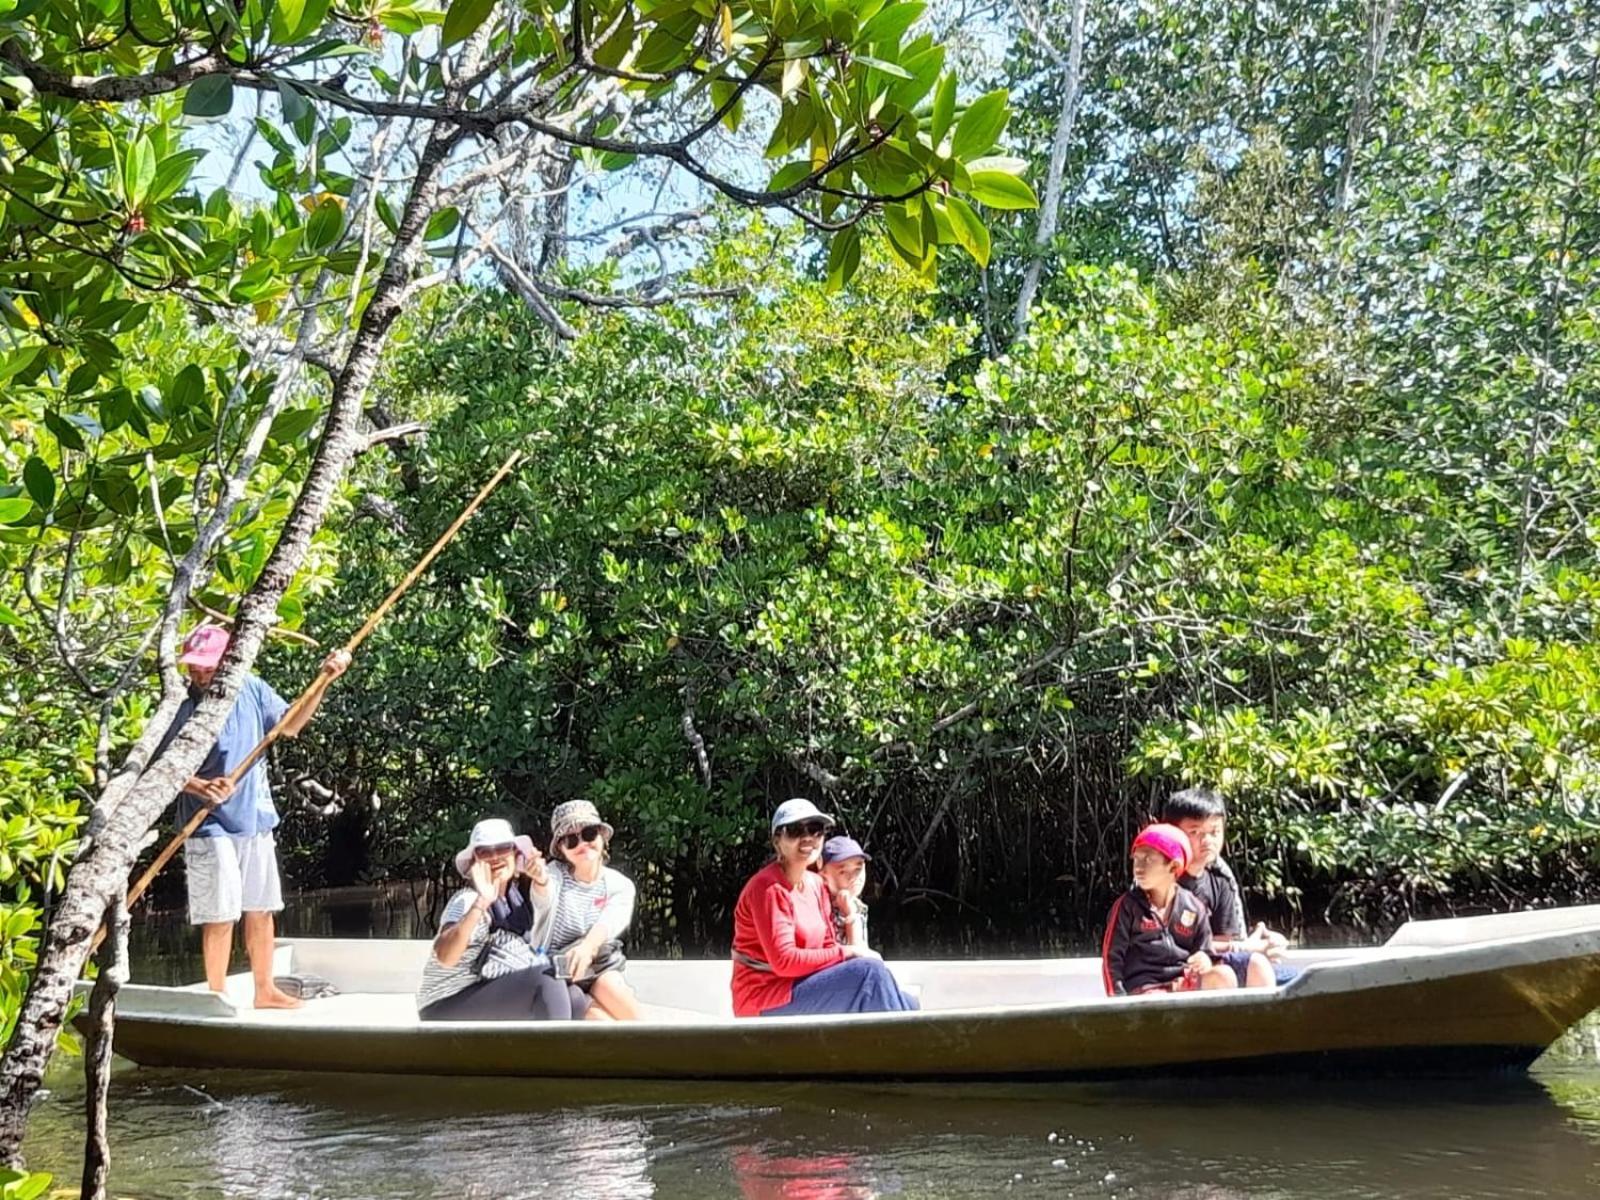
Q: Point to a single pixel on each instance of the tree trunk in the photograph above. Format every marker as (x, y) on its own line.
(101, 874)
(97, 1059)
(1050, 203)
(1383, 12)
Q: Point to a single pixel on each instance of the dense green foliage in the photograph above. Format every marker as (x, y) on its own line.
(1290, 487)
(158, 418)
(1139, 550)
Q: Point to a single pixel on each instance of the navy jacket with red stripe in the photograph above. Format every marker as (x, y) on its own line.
(1141, 950)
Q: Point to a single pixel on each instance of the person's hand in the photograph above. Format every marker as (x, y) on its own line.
(212, 792)
(481, 876)
(336, 664)
(1267, 941)
(1199, 963)
(579, 959)
(861, 952)
(534, 868)
(847, 904)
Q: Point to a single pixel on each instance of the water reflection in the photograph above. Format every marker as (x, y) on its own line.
(763, 1176)
(229, 1134)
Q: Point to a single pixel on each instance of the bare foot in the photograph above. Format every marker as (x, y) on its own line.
(275, 998)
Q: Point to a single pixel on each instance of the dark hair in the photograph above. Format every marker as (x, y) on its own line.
(1193, 804)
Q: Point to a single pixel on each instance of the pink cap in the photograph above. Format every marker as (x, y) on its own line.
(204, 647)
(1168, 840)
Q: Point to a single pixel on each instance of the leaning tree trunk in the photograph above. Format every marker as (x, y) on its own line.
(101, 874)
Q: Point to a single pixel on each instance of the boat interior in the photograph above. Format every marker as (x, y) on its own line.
(377, 979)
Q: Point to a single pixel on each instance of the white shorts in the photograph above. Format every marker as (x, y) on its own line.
(231, 875)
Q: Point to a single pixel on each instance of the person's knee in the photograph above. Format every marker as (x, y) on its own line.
(612, 986)
(1219, 977)
(1260, 972)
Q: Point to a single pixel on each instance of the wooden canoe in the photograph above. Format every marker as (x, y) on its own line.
(1459, 995)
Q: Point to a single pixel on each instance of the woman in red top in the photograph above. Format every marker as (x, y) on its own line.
(786, 960)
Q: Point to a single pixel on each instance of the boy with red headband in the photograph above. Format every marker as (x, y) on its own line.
(1158, 937)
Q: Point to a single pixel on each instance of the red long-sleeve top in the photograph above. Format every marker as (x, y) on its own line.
(789, 929)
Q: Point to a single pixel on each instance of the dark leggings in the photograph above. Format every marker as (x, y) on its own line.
(530, 995)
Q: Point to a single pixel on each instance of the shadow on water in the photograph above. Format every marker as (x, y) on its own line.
(233, 1134)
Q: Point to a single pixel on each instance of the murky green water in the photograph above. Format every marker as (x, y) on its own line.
(226, 1134)
(230, 1134)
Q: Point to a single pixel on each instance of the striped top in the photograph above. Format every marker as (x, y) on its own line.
(578, 906)
(440, 981)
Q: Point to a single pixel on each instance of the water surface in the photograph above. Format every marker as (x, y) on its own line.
(215, 1134)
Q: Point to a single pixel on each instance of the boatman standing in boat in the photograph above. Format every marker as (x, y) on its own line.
(232, 859)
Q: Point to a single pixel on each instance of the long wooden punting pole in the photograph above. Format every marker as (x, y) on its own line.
(319, 684)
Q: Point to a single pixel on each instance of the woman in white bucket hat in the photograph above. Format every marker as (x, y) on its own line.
(486, 964)
(787, 960)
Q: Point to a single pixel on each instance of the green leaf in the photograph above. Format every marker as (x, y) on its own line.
(944, 108)
(17, 361)
(969, 230)
(150, 399)
(293, 103)
(294, 19)
(981, 124)
(138, 173)
(23, 1185)
(844, 256)
(788, 175)
(64, 432)
(888, 68)
(905, 229)
(286, 16)
(188, 389)
(462, 20)
(290, 426)
(891, 24)
(14, 508)
(41, 484)
(442, 224)
(999, 190)
(209, 96)
(386, 214)
(173, 173)
(325, 225)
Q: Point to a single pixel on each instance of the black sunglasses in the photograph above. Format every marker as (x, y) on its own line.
(804, 829)
(589, 833)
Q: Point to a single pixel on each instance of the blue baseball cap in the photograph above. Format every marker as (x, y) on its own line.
(838, 849)
(798, 809)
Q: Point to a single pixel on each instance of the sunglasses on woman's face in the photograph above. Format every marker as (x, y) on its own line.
(589, 833)
(493, 851)
(805, 829)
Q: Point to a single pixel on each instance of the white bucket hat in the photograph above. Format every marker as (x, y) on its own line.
(799, 809)
(493, 831)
